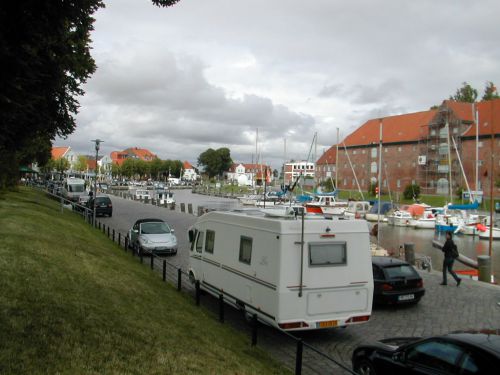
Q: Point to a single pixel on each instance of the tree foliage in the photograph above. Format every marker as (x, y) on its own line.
(411, 191)
(466, 94)
(81, 163)
(45, 54)
(215, 162)
(490, 91)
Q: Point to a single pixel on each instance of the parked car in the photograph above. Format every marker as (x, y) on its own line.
(103, 205)
(471, 352)
(395, 281)
(152, 236)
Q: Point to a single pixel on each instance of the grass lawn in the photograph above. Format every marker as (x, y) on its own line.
(72, 302)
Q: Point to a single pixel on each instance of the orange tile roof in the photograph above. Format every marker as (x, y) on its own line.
(489, 115)
(400, 128)
(329, 157)
(58, 152)
(187, 165)
(141, 153)
(463, 111)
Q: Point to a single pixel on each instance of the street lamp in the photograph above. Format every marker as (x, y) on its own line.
(97, 143)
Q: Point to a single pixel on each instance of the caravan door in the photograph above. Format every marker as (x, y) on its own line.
(195, 256)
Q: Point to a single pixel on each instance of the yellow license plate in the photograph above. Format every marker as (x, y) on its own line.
(328, 324)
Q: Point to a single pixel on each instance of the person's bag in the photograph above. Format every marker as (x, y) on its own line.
(454, 251)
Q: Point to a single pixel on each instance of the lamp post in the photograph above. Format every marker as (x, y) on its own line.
(97, 143)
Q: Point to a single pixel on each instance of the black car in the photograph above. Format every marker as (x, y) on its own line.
(103, 205)
(473, 352)
(395, 281)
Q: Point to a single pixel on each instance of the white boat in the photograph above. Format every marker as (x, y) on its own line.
(372, 215)
(486, 234)
(426, 221)
(249, 199)
(399, 218)
(326, 205)
(357, 209)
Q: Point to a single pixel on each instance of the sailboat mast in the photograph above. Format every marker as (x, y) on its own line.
(492, 153)
(379, 181)
(477, 151)
(337, 162)
(449, 161)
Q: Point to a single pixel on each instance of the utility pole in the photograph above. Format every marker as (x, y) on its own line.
(97, 143)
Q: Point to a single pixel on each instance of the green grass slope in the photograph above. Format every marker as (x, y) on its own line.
(72, 302)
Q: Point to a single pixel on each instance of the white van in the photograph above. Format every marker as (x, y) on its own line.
(73, 188)
(264, 267)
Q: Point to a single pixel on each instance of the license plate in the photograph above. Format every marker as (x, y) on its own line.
(406, 297)
(328, 324)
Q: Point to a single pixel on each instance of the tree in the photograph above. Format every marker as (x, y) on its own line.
(411, 191)
(45, 55)
(61, 165)
(490, 91)
(81, 163)
(215, 162)
(466, 94)
(116, 170)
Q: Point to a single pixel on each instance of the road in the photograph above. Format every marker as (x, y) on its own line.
(443, 309)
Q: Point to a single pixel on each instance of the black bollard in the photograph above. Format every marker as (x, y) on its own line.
(221, 308)
(179, 279)
(152, 261)
(164, 270)
(298, 357)
(197, 293)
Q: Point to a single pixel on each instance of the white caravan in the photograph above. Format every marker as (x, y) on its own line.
(264, 267)
(73, 188)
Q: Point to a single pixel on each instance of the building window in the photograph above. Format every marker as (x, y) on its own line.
(345, 182)
(354, 152)
(245, 250)
(385, 183)
(455, 130)
(353, 182)
(385, 149)
(399, 149)
(480, 163)
(433, 132)
(373, 167)
(398, 183)
(364, 151)
(480, 144)
(374, 152)
(345, 165)
(413, 164)
(413, 182)
(363, 182)
(414, 148)
(210, 241)
(327, 254)
(399, 164)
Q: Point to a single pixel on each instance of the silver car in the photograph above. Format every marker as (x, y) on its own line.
(152, 236)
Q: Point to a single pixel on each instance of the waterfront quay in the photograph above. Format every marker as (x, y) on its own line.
(474, 305)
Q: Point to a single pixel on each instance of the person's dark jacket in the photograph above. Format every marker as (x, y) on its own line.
(447, 248)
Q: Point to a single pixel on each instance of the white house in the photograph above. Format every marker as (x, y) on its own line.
(249, 174)
(189, 173)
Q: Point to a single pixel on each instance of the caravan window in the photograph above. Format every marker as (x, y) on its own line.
(245, 250)
(199, 242)
(209, 242)
(327, 254)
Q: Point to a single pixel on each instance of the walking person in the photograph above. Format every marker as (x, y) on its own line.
(450, 253)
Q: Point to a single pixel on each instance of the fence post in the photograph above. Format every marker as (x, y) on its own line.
(141, 256)
(108, 231)
(113, 235)
(221, 308)
(99, 225)
(197, 294)
(164, 270)
(298, 357)
(179, 279)
(119, 239)
(254, 329)
(152, 261)
(104, 228)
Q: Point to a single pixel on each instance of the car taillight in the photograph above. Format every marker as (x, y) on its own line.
(357, 319)
(420, 284)
(387, 287)
(293, 325)
(110, 205)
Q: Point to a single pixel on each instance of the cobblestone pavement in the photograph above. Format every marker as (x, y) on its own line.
(473, 305)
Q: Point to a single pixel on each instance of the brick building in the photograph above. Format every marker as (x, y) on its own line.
(415, 150)
(294, 169)
(119, 157)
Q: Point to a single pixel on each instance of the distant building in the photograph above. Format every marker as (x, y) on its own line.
(292, 170)
(65, 152)
(416, 149)
(118, 157)
(249, 174)
(326, 165)
(189, 172)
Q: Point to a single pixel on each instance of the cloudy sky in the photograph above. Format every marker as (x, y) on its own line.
(209, 73)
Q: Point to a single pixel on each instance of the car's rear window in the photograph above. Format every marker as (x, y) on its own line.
(103, 200)
(403, 270)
